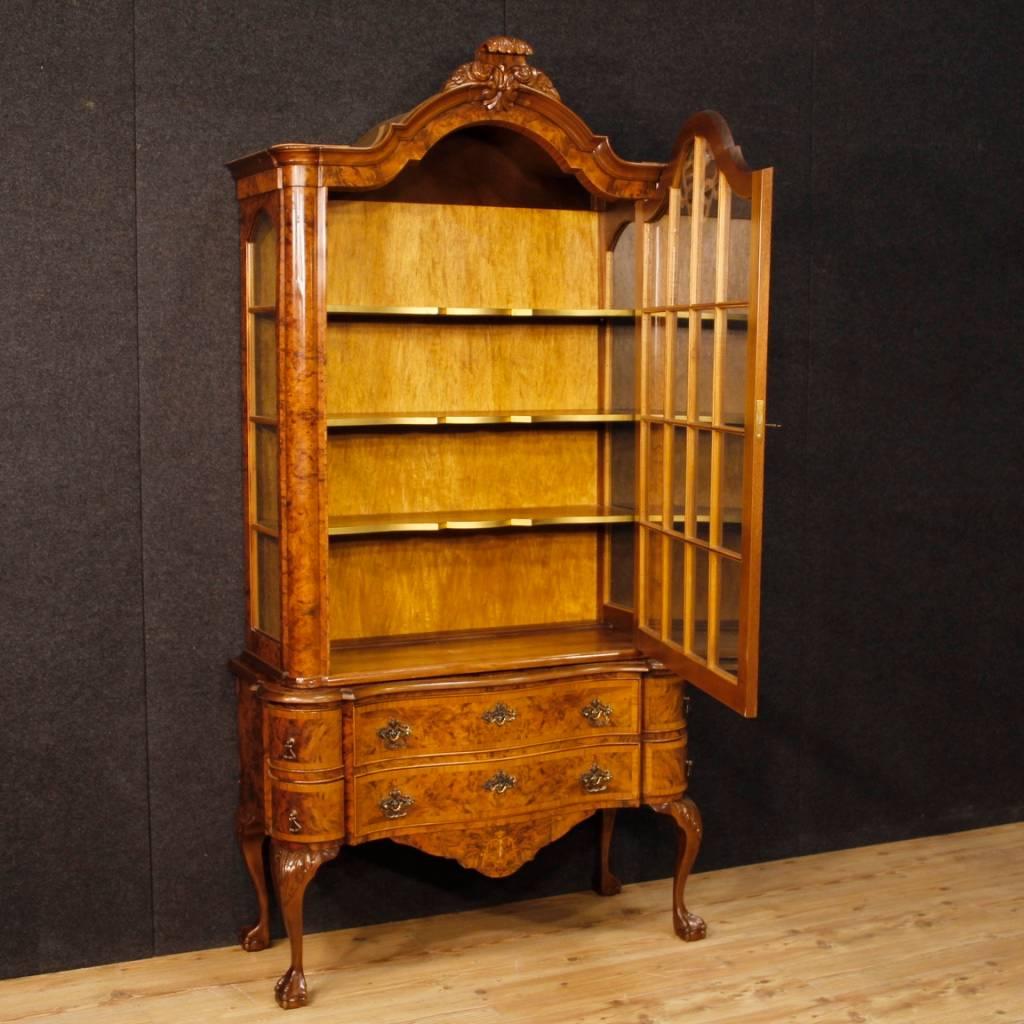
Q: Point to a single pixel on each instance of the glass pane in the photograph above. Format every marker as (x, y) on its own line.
(728, 612)
(678, 483)
(709, 231)
(677, 562)
(268, 585)
(624, 269)
(737, 284)
(655, 472)
(656, 366)
(734, 369)
(622, 553)
(684, 230)
(705, 368)
(702, 477)
(263, 257)
(652, 614)
(680, 367)
(264, 366)
(732, 490)
(265, 469)
(700, 601)
(623, 372)
(622, 465)
(657, 255)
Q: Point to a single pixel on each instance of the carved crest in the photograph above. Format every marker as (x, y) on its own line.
(500, 66)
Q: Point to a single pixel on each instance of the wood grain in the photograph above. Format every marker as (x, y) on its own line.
(496, 850)
(426, 254)
(395, 471)
(811, 940)
(424, 366)
(423, 584)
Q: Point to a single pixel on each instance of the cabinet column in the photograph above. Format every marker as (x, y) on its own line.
(303, 438)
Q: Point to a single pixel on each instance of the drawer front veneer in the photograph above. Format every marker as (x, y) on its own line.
(305, 812)
(301, 740)
(386, 729)
(496, 788)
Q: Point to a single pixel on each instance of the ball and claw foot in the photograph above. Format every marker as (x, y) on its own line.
(290, 990)
(689, 927)
(255, 937)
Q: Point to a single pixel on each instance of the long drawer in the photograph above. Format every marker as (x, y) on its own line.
(410, 725)
(495, 788)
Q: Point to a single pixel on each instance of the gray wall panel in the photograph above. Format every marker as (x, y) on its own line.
(74, 855)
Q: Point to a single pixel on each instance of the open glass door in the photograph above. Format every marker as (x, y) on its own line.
(701, 373)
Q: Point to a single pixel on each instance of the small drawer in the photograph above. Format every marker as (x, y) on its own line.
(495, 719)
(496, 788)
(305, 812)
(301, 740)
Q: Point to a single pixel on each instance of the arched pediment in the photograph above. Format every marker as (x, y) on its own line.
(498, 88)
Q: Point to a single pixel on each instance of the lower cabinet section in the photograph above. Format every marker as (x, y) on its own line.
(495, 788)
(485, 770)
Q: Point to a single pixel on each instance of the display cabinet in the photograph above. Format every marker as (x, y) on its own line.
(504, 436)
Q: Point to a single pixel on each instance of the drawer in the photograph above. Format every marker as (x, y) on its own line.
(496, 788)
(303, 740)
(435, 722)
(305, 811)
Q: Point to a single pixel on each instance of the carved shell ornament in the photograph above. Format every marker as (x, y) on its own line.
(500, 66)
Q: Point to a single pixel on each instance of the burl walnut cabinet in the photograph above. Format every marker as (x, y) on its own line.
(504, 439)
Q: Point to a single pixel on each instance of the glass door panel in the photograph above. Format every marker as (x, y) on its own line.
(701, 366)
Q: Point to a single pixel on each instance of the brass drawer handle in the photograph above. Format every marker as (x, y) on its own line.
(595, 779)
(500, 783)
(597, 713)
(500, 714)
(394, 734)
(294, 825)
(288, 750)
(396, 804)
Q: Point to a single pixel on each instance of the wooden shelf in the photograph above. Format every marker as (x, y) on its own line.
(478, 519)
(486, 651)
(338, 421)
(475, 313)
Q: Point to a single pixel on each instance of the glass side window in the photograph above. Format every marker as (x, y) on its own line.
(262, 419)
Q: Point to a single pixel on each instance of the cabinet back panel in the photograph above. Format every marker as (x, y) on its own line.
(424, 254)
(377, 473)
(423, 584)
(431, 367)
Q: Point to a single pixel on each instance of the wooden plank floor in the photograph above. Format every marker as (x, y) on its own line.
(930, 930)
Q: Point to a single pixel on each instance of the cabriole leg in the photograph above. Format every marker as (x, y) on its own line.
(689, 927)
(294, 866)
(605, 883)
(257, 936)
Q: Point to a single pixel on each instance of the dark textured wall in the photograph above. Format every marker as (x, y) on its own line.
(891, 626)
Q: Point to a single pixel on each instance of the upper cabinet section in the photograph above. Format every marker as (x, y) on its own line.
(500, 378)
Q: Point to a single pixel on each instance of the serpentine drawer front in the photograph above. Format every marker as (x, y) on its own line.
(301, 740)
(435, 722)
(496, 788)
